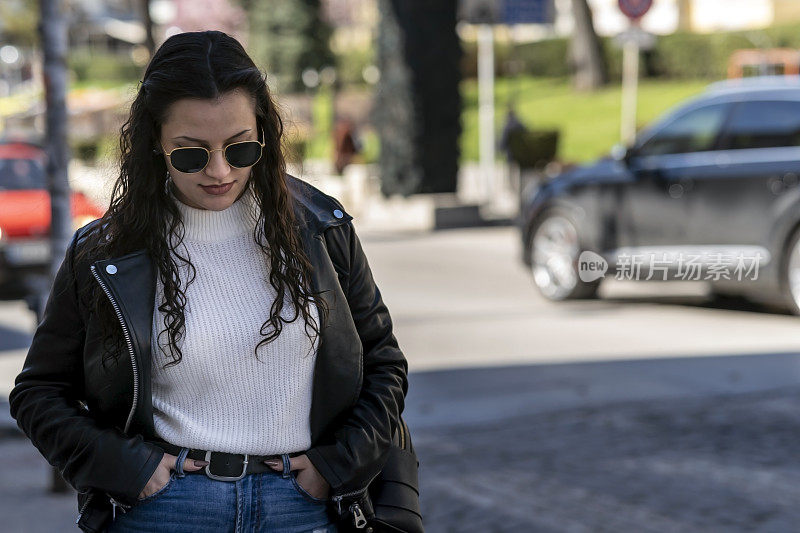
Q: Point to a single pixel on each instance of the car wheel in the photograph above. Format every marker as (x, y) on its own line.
(791, 273)
(554, 249)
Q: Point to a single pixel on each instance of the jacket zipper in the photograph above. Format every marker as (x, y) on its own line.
(83, 507)
(126, 333)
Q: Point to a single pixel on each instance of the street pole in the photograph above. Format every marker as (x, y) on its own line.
(632, 40)
(486, 106)
(53, 36)
(630, 83)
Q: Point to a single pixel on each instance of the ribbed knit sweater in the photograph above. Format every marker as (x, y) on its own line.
(220, 397)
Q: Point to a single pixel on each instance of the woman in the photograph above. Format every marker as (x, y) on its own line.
(220, 319)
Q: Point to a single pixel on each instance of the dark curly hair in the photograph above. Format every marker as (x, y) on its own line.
(143, 215)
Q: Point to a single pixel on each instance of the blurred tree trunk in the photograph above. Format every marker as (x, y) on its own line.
(150, 41)
(393, 111)
(586, 51)
(417, 105)
(53, 35)
(685, 15)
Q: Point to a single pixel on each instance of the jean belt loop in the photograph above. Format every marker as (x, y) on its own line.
(286, 465)
(179, 462)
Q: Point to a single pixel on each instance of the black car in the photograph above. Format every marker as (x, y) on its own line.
(713, 184)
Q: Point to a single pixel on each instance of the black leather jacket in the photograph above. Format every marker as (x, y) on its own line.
(94, 425)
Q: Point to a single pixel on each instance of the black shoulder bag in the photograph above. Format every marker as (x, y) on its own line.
(391, 502)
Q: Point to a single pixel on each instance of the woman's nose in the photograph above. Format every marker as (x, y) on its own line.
(217, 166)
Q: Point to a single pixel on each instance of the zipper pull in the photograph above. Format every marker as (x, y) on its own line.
(358, 514)
(114, 505)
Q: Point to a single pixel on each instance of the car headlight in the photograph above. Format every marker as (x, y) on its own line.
(79, 222)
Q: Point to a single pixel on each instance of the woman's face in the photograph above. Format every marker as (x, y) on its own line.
(212, 124)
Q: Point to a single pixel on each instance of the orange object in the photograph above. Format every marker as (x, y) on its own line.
(778, 61)
(24, 199)
(27, 213)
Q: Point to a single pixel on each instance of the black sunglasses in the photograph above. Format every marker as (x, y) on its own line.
(191, 159)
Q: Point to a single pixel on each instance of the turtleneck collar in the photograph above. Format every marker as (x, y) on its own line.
(205, 225)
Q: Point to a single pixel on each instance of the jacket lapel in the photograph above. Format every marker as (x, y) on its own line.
(337, 369)
(132, 283)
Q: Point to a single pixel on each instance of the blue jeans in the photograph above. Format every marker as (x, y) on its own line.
(269, 501)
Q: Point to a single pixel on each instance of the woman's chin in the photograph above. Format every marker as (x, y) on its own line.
(217, 204)
(210, 202)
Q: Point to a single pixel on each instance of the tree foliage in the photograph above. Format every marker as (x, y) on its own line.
(287, 37)
(18, 19)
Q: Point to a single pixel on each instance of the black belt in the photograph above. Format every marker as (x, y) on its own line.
(225, 466)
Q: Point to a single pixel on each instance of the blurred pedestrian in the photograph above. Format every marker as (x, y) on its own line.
(511, 125)
(347, 144)
(153, 360)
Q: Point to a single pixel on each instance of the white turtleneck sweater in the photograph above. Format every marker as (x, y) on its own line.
(220, 397)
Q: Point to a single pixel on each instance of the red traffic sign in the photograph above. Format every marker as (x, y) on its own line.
(635, 9)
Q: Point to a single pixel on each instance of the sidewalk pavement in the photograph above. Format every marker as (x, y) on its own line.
(8, 426)
(471, 205)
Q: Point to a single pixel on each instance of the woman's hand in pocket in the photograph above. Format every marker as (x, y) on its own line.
(163, 472)
(307, 476)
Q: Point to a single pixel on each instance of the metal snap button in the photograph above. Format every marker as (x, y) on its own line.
(111, 269)
(338, 213)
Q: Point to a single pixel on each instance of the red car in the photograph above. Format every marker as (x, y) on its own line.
(25, 218)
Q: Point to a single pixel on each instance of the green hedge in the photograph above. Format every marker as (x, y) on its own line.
(93, 65)
(678, 56)
(351, 64)
(91, 149)
(547, 59)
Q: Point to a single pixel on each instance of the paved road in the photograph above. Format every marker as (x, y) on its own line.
(461, 298)
(726, 463)
(640, 412)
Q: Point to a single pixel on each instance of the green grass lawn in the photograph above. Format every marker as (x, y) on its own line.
(589, 122)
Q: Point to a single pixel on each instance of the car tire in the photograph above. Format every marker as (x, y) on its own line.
(554, 249)
(790, 273)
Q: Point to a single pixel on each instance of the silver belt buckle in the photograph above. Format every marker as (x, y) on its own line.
(224, 478)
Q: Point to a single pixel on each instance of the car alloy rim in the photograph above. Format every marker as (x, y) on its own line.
(794, 272)
(554, 252)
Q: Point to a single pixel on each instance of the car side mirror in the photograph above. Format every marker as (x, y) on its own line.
(621, 153)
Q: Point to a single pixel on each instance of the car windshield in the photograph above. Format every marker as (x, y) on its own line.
(21, 174)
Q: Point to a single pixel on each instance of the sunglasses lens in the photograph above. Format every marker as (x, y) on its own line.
(243, 154)
(189, 159)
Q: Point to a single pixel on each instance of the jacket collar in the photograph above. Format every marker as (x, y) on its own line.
(316, 209)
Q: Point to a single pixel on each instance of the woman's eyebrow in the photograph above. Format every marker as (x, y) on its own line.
(204, 142)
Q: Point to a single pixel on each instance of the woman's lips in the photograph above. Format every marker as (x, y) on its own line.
(217, 189)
